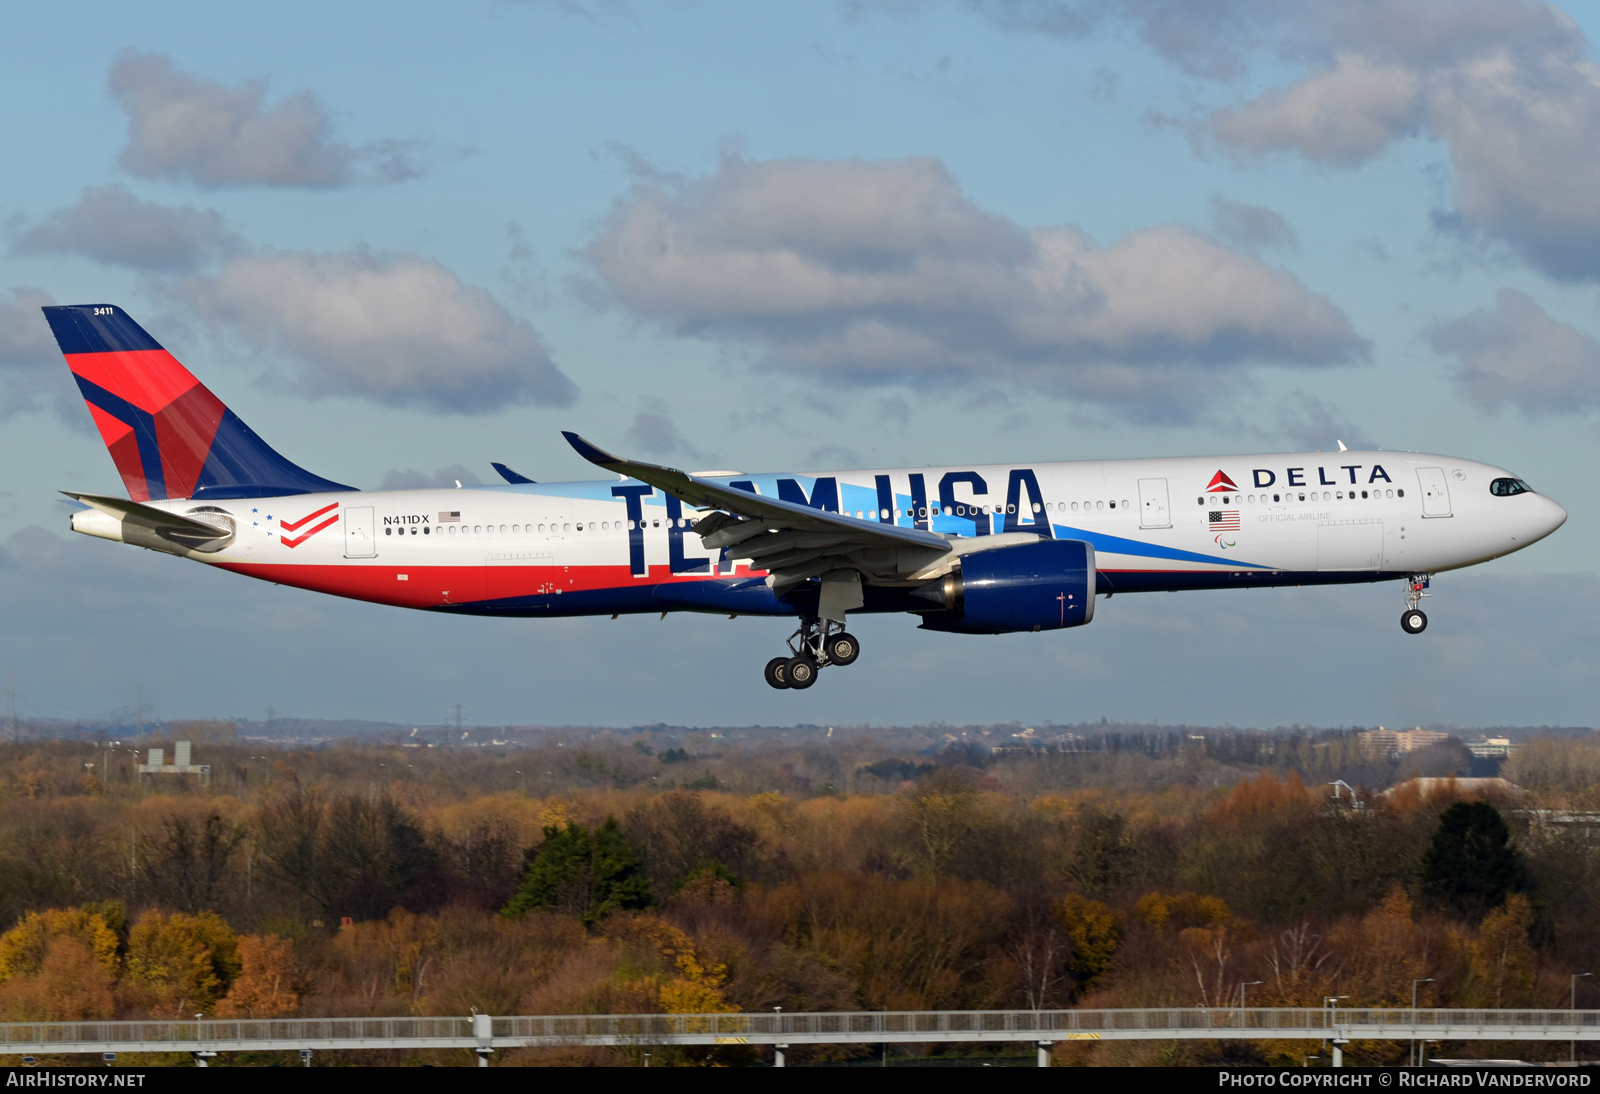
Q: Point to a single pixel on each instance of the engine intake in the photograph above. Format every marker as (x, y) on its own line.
(1041, 586)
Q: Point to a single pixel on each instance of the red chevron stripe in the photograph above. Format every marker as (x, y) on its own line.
(298, 540)
(292, 525)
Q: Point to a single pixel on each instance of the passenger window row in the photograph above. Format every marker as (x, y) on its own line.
(1312, 495)
(548, 528)
(920, 512)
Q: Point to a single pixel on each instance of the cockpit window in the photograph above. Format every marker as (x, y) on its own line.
(1504, 488)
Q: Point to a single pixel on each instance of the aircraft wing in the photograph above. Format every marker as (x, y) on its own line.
(790, 541)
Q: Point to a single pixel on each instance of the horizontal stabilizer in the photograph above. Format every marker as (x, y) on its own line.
(147, 526)
(131, 512)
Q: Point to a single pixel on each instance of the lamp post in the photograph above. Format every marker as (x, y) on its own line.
(1331, 1003)
(1422, 980)
(1242, 985)
(1572, 1005)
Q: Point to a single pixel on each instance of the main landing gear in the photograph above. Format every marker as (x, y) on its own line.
(1413, 620)
(814, 645)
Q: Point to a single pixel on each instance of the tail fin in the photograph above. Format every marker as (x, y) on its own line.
(168, 435)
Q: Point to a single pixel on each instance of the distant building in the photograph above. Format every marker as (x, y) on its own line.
(1491, 748)
(1470, 788)
(1393, 742)
(156, 763)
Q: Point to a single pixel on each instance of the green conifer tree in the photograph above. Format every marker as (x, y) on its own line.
(1470, 865)
(584, 874)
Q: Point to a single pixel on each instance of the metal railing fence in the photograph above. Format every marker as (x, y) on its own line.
(485, 1032)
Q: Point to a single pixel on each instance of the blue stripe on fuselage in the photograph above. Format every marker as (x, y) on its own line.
(1117, 545)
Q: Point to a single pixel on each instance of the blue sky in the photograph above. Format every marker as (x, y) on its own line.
(810, 235)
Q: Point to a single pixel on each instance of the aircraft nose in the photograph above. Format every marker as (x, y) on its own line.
(1552, 515)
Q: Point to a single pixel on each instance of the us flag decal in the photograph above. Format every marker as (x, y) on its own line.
(1223, 520)
(450, 518)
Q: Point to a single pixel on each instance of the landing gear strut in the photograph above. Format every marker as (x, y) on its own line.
(815, 644)
(1413, 620)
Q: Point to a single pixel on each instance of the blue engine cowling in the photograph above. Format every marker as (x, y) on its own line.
(1040, 586)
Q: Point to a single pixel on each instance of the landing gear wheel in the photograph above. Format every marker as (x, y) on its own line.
(1413, 621)
(843, 649)
(777, 673)
(801, 672)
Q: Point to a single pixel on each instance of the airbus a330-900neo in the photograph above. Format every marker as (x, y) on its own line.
(971, 550)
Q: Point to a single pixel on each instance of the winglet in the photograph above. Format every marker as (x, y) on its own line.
(510, 475)
(597, 456)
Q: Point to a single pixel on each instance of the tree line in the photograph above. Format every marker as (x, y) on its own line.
(380, 880)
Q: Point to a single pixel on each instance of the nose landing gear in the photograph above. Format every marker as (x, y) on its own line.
(1413, 620)
(816, 644)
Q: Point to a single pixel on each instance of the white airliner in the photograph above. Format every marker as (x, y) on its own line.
(977, 550)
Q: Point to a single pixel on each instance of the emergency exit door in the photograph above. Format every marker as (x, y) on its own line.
(1153, 510)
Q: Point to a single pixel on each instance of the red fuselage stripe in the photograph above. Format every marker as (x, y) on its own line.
(433, 586)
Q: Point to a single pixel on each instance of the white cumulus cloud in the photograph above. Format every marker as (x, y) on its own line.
(212, 134)
(1510, 88)
(884, 271)
(400, 330)
(1517, 354)
(32, 372)
(109, 224)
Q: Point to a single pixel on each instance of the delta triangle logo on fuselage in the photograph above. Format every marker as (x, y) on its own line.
(1220, 482)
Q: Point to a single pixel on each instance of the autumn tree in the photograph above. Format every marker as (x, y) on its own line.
(189, 861)
(180, 964)
(1502, 957)
(1471, 866)
(24, 948)
(288, 829)
(1302, 966)
(583, 873)
(71, 984)
(695, 983)
(486, 861)
(1100, 851)
(679, 835)
(941, 811)
(374, 856)
(908, 945)
(1386, 952)
(1181, 910)
(266, 984)
(1094, 932)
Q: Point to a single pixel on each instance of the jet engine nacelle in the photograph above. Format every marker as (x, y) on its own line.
(1040, 586)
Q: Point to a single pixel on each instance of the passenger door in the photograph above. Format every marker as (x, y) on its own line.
(1153, 510)
(359, 541)
(1435, 493)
